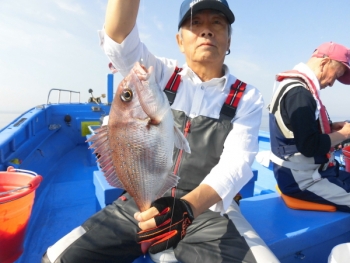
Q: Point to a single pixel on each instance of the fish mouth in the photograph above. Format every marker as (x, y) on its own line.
(141, 71)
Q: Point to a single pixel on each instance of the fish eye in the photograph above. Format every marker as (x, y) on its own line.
(126, 95)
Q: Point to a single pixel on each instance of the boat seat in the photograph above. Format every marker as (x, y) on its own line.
(298, 204)
(105, 193)
(293, 235)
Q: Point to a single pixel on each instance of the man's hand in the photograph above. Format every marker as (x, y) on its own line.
(340, 134)
(164, 224)
(336, 126)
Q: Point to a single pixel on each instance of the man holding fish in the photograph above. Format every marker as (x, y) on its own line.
(219, 115)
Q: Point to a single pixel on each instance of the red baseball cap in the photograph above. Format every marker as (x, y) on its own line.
(336, 52)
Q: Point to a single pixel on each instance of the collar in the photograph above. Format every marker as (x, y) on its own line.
(221, 82)
(306, 70)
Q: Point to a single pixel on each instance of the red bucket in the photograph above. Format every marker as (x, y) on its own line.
(17, 192)
(346, 154)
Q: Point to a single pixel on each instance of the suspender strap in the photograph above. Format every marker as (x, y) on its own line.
(231, 103)
(172, 85)
(232, 100)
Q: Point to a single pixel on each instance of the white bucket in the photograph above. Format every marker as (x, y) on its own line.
(340, 254)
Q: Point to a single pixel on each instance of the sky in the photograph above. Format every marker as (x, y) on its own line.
(54, 44)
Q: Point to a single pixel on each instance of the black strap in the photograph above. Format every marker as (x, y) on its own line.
(285, 150)
(275, 106)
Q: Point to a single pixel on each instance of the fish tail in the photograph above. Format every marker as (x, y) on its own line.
(180, 141)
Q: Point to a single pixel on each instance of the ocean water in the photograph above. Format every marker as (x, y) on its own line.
(7, 117)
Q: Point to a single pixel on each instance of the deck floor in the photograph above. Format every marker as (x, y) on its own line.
(58, 203)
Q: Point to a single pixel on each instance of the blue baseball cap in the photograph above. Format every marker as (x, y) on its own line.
(196, 5)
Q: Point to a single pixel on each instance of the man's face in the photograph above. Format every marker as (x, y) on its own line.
(204, 37)
(332, 70)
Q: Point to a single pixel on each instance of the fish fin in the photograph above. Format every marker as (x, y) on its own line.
(114, 181)
(101, 145)
(171, 181)
(180, 140)
(98, 133)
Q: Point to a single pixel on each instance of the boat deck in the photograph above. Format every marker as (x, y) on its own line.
(67, 195)
(60, 207)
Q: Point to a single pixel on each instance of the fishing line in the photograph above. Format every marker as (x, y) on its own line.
(191, 22)
(142, 4)
(140, 18)
(172, 212)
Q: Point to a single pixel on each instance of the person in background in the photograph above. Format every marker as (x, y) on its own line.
(198, 221)
(302, 135)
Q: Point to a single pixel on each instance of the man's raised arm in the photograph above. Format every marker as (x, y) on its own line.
(121, 18)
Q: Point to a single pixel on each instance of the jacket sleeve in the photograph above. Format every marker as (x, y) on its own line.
(124, 55)
(240, 148)
(298, 112)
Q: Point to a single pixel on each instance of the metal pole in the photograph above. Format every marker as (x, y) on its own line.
(110, 80)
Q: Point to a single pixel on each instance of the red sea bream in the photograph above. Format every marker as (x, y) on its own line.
(135, 148)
